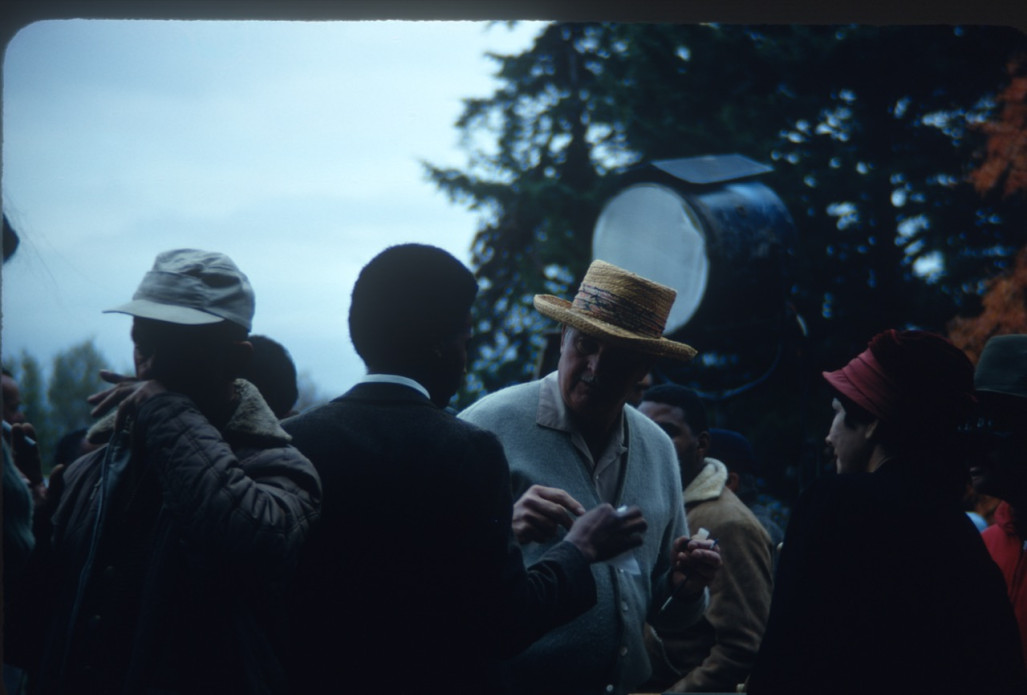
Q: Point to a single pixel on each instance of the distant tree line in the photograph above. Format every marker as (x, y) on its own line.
(54, 402)
(54, 399)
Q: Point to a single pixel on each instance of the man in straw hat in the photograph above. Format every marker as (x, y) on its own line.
(172, 543)
(571, 445)
(1000, 381)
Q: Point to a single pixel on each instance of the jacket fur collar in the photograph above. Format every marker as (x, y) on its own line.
(709, 484)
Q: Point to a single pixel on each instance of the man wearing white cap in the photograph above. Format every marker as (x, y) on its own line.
(571, 445)
(171, 545)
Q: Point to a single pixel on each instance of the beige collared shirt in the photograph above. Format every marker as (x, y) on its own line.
(606, 470)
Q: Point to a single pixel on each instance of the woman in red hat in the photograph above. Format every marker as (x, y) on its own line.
(884, 585)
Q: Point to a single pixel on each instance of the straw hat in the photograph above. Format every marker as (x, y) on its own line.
(621, 307)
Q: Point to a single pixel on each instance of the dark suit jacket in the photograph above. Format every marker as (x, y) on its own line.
(881, 589)
(412, 582)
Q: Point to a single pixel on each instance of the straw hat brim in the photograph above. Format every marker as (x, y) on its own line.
(564, 312)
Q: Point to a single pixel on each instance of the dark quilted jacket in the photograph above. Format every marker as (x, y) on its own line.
(171, 553)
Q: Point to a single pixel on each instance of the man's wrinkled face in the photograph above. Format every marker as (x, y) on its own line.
(596, 377)
(849, 441)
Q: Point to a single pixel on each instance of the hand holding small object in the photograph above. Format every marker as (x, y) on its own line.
(696, 561)
(603, 532)
(541, 511)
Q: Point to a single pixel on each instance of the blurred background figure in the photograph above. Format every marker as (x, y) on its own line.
(735, 451)
(1000, 469)
(23, 496)
(12, 399)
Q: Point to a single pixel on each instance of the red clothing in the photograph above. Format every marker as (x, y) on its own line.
(1010, 553)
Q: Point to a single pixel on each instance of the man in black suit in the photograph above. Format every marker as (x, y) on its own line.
(413, 581)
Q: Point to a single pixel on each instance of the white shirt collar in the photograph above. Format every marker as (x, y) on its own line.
(394, 379)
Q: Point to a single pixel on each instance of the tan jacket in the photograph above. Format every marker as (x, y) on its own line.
(716, 654)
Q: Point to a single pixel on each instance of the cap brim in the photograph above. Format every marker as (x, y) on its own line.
(169, 313)
(564, 312)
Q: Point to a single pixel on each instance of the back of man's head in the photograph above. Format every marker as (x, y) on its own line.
(405, 300)
(273, 372)
(734, 451)
(681, 397)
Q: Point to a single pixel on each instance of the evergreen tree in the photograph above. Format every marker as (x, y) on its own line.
(32, 386)
(74, 377)
(55, 404)
(870, 131)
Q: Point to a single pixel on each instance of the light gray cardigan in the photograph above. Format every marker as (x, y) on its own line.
(603, 647)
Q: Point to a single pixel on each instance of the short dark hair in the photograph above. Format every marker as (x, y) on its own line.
(273, 372)
(407, 298)
(733, 450)
(684, 398)
(854, 412)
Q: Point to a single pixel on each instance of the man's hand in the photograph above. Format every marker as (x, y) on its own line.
(46, 498)
(127, 394)
(604, 532)
(541, 511)
(104, 401)
(26, 454)
(695, 564)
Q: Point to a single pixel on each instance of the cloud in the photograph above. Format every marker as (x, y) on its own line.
(293, 147)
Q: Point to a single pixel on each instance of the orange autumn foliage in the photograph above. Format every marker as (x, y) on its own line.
(1004, 167)
(1005, 311)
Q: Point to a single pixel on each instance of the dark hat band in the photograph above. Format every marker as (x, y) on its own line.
(617, 310)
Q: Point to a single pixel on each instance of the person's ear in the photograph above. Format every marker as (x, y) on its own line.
(240, 355)
(732, 481)
(871, 431)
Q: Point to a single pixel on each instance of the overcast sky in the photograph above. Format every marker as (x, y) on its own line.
(293, 147)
